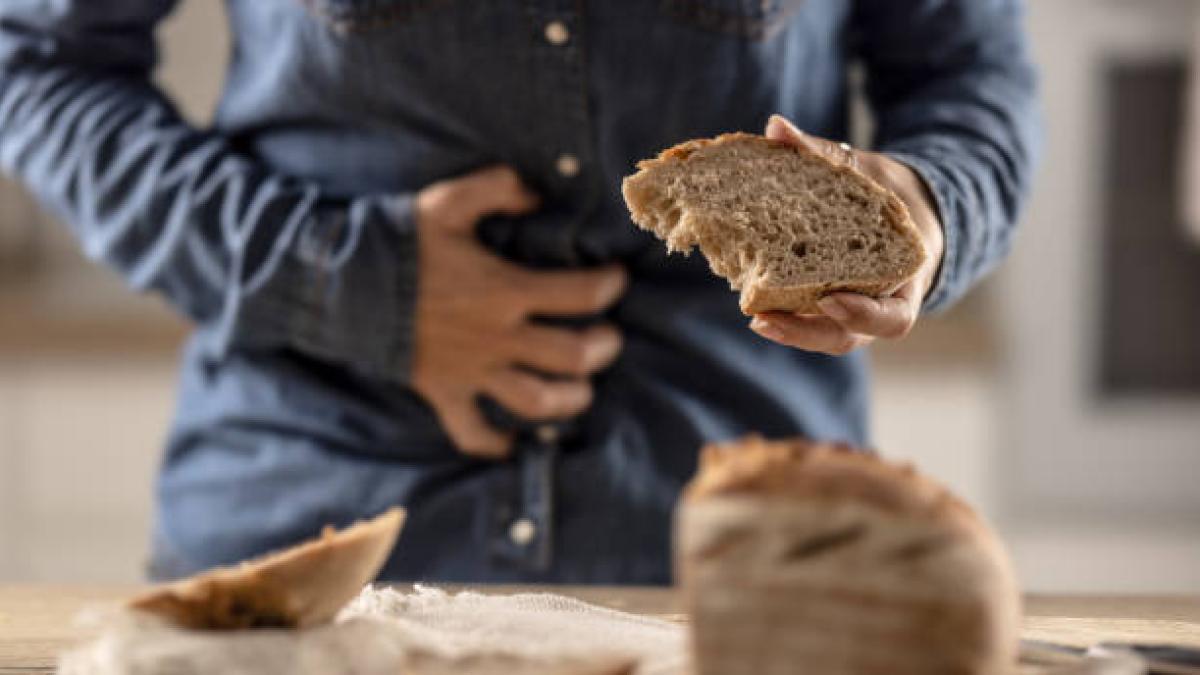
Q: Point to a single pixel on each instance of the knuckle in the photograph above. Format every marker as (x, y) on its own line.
(436, 193)
(576, 357)
(504, 184)
(899, 330)
(512, 183)
(845, 345)
(902, 323)
(543, 402)
(431, 203)
(585, 396)
(595, 295)
(505, 176)
(614, 336)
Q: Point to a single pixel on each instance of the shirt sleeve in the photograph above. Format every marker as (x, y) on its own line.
(954, 96)
(261, 260)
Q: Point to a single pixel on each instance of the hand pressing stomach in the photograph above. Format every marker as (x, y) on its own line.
(474, 329)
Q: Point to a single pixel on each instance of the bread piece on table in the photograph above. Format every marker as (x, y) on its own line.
(784, 225)
(803, 557)
(302, 586)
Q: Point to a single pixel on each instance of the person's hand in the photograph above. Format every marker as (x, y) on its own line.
(473, 330)
(850, 320)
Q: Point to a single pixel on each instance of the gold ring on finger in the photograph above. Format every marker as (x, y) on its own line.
(851, 159)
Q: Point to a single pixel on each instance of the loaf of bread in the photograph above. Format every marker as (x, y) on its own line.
(802, 557)
(302, 586)
(784, 225)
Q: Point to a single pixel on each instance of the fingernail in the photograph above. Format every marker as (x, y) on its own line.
(833, 309)
(778, 125)
(766, 328)
(773, 130)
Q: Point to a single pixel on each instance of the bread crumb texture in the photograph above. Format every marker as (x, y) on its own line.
(782, 224)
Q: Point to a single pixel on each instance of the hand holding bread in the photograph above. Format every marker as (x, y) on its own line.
(852, 320)
(830, 247)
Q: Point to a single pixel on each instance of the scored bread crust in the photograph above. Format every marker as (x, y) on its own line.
(799, 552)
(758, 296)
(800, 469)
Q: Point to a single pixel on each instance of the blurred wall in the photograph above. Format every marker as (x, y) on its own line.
(1097, 490)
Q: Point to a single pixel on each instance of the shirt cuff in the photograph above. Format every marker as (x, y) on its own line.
(941, 293)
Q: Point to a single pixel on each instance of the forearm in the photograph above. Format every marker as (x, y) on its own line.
(979, 185)
(956, 100)
(262, 260)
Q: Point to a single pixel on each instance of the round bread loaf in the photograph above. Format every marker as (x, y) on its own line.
(797, 557)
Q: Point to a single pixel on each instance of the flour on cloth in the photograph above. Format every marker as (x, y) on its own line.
(384, 630)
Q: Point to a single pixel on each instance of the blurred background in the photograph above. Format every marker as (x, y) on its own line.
(1062, 398)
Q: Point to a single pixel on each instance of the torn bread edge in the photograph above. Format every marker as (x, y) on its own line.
(302, 586)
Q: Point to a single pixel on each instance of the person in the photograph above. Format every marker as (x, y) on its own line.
(412, 277)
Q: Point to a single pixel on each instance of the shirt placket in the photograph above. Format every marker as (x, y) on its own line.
(523, 521)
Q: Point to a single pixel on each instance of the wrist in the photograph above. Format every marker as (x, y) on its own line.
(918, 195)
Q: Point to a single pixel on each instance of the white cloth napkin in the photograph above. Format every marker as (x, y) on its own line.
(381, 630)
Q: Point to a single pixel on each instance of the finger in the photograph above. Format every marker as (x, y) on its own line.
(466, 426)
(571, 293)
(537, 398)
(464, 201)
(912, 292)
(810, 333)
(561, 351)
(780, 129)
(879, 317)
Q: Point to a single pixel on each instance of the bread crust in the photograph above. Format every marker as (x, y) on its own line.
(800, 552)
(301, 586)
(757, 297)
(803, 470)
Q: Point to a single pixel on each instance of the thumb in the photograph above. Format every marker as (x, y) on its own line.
(780, 129)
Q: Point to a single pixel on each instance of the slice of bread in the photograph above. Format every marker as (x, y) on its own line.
(784, 225)
(299, 587)
(791, 552)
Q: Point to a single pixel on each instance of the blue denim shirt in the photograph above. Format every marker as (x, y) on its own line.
(285, 233)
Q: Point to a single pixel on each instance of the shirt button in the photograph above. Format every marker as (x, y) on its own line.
(557, 33)
(547, 433)
(567, 165)
(522, 531)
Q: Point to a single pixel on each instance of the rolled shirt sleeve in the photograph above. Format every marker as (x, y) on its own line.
(259, 259)
(954, 94)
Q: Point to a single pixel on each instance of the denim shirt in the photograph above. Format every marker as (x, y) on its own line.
(285, 234)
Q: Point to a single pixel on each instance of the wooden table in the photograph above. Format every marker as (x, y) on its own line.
(36, 621)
